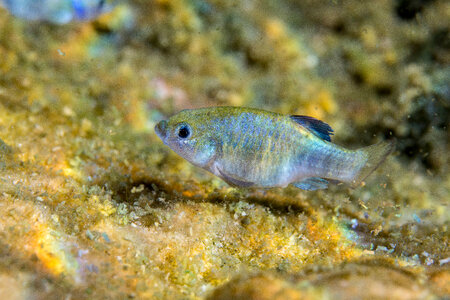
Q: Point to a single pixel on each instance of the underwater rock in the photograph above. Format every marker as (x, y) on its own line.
(258, 287)
(356, 280)
(94, 206)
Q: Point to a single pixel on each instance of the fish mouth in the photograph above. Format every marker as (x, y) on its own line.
(161, 130)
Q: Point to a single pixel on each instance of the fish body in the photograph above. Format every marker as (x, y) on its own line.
(57, 11)
(251, 147)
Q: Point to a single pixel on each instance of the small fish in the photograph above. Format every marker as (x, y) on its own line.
(255, 148)
(57, 11)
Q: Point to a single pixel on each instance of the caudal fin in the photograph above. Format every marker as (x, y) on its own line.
(376, 154)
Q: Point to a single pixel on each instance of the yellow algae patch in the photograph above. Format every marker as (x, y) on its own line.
(369, 37)
(76, 47)
(324, 103)
(9, 60)
(50, 251)
(390, 57)
(69, 169)
(116, 18)
(289, 54)
(330, 241)
(286, 47)
(136, 112)
(106, 207)
(275, 29)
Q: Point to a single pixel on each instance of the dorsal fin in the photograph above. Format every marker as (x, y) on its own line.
(319, 128)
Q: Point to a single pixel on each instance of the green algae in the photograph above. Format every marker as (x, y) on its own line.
(79, 159)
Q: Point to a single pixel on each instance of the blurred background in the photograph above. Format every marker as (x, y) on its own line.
(93, 205)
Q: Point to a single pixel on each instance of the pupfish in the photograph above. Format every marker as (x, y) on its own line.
(57, 11)
(249, 147)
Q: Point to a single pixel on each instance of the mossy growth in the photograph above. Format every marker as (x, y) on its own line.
(93, 205)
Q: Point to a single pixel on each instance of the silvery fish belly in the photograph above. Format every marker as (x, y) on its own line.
(251, 147)
(57, 11)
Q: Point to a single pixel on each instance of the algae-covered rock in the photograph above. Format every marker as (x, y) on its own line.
(367, 279)
(94, 206)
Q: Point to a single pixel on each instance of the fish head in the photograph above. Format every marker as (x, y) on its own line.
(186, 134)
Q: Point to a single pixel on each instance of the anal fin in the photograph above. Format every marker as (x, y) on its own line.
(312, 184)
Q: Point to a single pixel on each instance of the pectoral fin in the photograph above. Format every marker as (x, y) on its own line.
(234, 181)
(312, 184)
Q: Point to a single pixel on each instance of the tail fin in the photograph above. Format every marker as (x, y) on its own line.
(376, 154)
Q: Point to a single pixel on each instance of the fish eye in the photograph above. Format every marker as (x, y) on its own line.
(184, 131)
